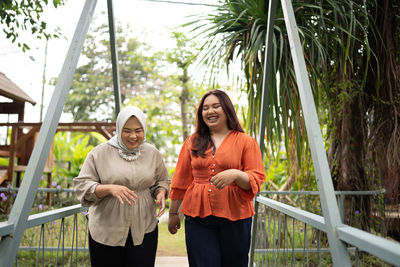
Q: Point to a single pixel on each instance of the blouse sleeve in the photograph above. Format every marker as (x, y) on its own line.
(183, 176)
(161, 177)
(254, 167)
(86, 182)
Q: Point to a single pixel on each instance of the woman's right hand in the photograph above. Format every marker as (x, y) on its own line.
(122, 193)
(174, 223)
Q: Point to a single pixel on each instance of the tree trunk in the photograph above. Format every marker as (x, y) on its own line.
(385, 118)
(183, 99)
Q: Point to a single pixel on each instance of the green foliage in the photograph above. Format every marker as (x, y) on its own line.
(167, 124)
(183, 55)
(164, 119)
(70, 151)
(91, 95)
(22, 15)
(276, 170)
(4, 161)
(163, 122)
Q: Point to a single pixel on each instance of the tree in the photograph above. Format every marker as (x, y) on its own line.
(183, 55)
(163, 121)
(144, 83)
(352, 55)
(91, 95)
(17, 15)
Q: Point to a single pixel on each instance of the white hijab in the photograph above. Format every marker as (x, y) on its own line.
(116, 140)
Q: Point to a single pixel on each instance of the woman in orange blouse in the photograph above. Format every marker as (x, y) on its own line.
(219, 172)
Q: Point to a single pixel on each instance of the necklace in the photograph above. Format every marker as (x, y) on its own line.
(129, 156)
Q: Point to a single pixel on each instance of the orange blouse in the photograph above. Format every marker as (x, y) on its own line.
(191, 180)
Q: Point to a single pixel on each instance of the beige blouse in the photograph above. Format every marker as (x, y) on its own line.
(109, 221)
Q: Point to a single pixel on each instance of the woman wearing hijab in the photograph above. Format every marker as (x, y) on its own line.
(219, 172)
(121, 181)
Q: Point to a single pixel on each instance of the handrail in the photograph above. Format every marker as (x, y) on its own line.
(46, 190)
(380, 247)
(52, 215)
(370, 192)
(6, 228)
(346, 193)
(301, 215)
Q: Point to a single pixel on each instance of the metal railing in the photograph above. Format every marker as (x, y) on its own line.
(354, 206)
(286, 235)
(51, 238)
(290, 236)
(55, 238)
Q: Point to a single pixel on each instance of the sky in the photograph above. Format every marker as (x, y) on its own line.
(26, 70)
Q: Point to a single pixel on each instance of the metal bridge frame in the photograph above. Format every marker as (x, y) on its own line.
(340, 256)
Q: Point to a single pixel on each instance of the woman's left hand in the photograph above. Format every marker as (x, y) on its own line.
(225, 178)
(160, 199)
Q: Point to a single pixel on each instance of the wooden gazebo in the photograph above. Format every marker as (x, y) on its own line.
(11, 91)
(14, 103)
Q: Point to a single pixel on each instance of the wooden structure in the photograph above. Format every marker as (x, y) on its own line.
(24, 135)
(11, 91)
(14, 103)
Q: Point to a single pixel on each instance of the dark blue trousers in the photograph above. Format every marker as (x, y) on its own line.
(217, 242)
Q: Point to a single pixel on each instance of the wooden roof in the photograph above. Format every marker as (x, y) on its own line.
(12, 91)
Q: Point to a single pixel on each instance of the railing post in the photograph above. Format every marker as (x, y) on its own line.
(340, 200)
(340, 256)
(26, 195)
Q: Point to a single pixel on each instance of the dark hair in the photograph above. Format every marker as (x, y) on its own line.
(201, 137)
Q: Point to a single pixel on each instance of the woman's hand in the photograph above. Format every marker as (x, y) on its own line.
(160, 199)
(120, 192)
(225, 178)
(123, 194)
(174, 223)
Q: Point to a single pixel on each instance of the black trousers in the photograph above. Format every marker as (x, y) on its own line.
(217, 242)
(143, 255)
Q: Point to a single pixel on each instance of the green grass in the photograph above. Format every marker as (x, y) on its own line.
(171, 245)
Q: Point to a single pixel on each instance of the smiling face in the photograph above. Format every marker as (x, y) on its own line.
(132, 134)
(213, 114)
